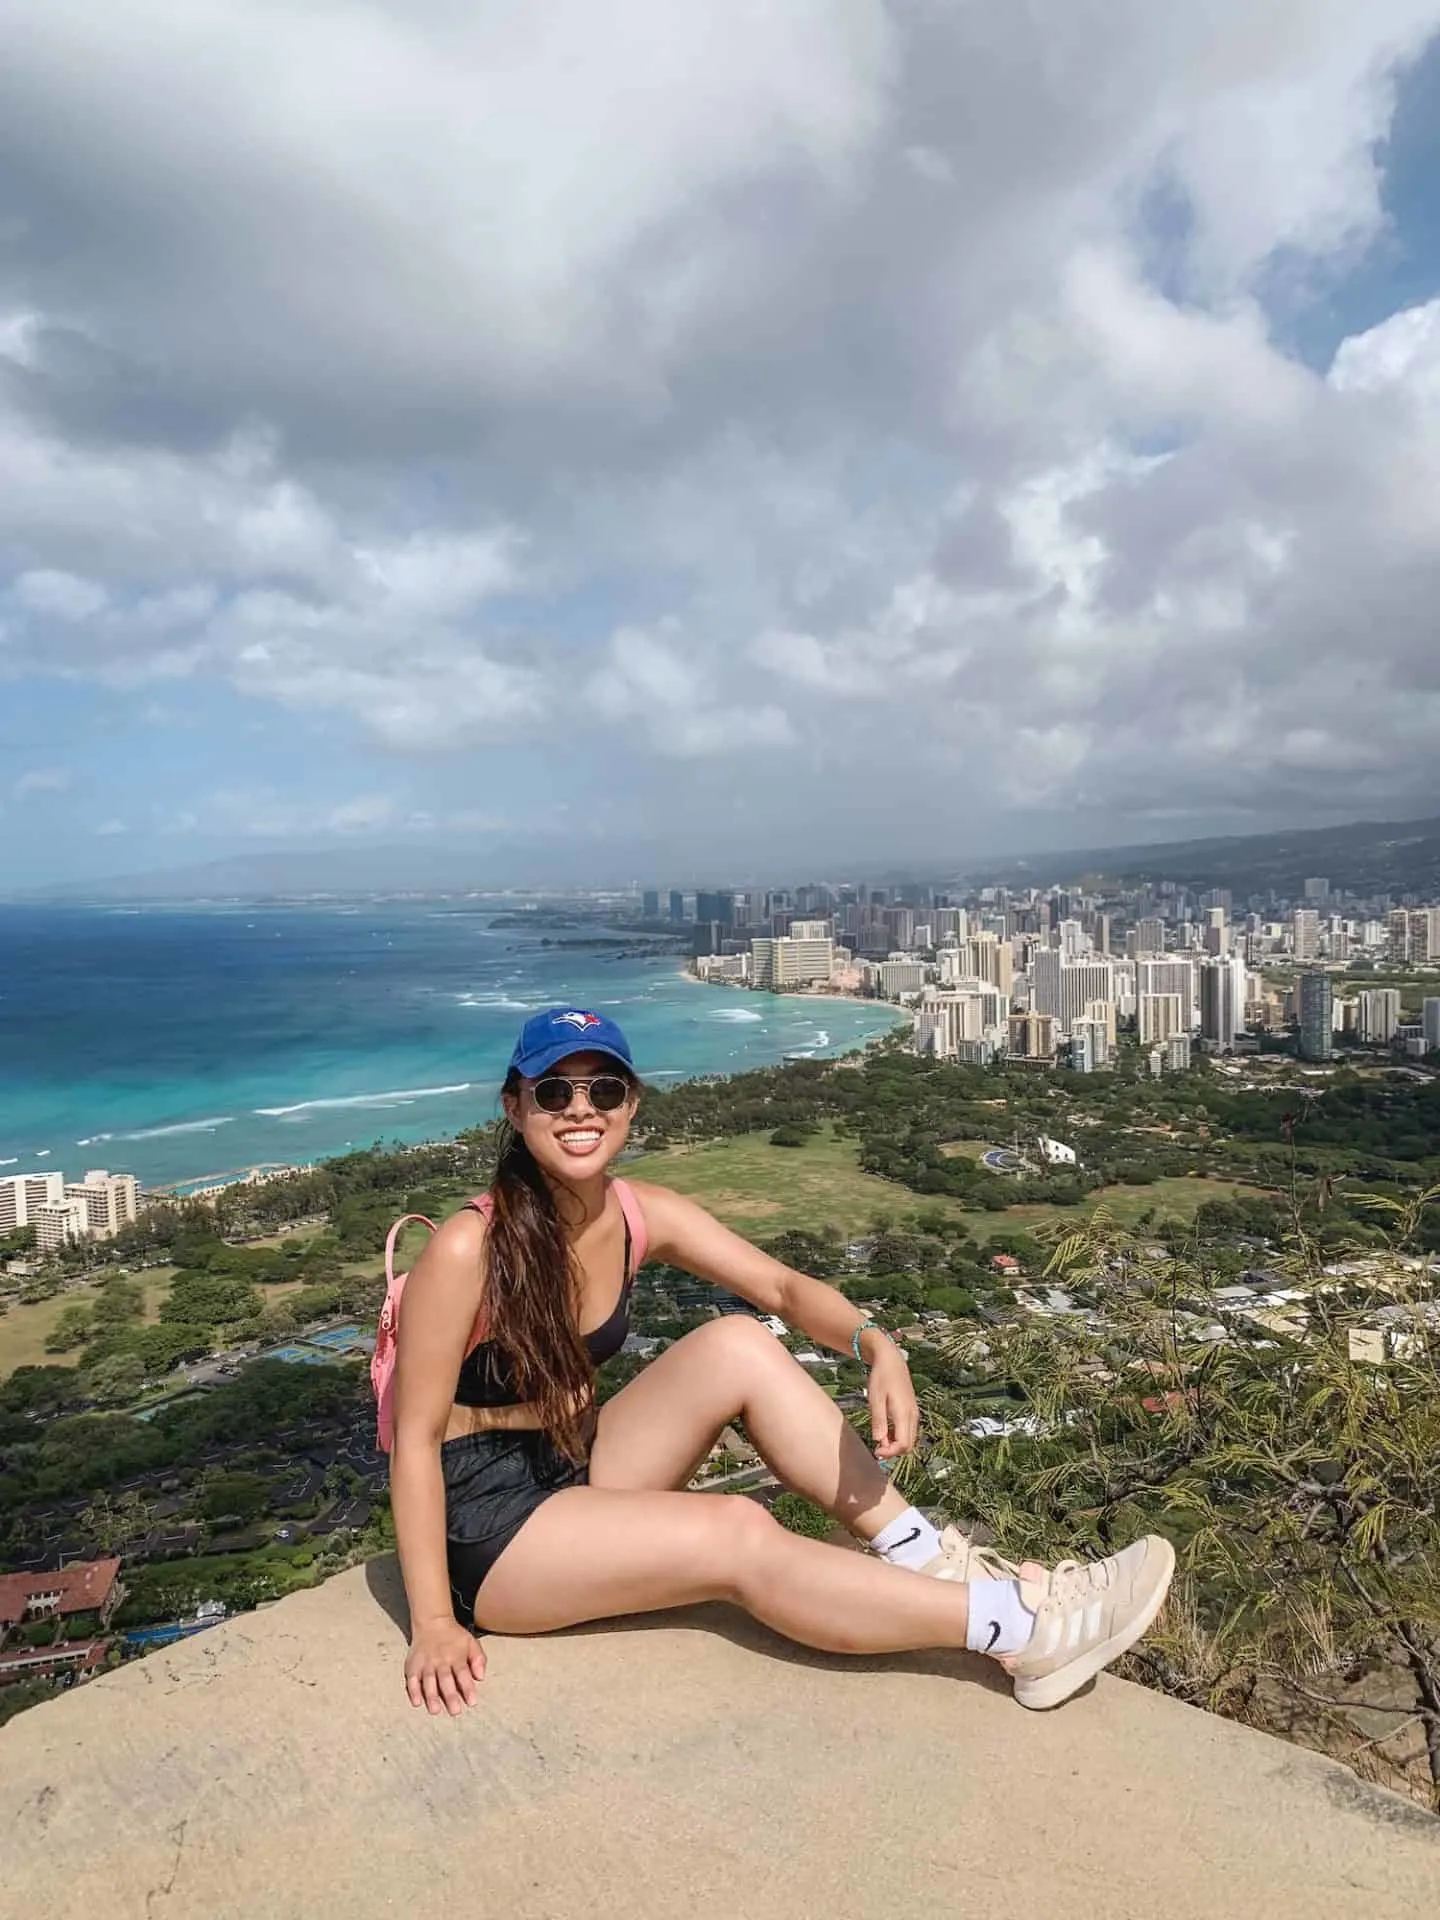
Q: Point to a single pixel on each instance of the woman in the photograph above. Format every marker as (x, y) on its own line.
(521, 1509)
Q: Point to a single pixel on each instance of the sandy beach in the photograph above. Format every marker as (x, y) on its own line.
(802, 998)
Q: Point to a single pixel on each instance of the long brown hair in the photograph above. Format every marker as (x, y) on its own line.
(532, 1292)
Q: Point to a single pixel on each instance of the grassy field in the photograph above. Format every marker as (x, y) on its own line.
(758, 1189)
(23, 1329)
(762, 1190)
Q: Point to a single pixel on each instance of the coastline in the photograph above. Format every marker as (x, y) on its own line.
(798, 999)
(193, 1050)
(205, 1186)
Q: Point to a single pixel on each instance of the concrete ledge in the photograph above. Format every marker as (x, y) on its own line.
(691, 1765)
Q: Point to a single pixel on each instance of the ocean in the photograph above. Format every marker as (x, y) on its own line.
(181, 1044)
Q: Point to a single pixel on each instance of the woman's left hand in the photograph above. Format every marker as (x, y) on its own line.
(894, 1410)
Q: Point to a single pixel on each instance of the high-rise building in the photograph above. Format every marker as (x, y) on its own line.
(896, 977)
(1222, 1001)
(791, 963)
(718, 906)
(1150, 937)
(1089, 1046)
(650, 905)
(1106, 1012)
(109, 1201)
(1073, 941)
(1160, 1016)
(1064, 988)
(1174, 974)
(1305, 934)
(1317, 892)
(899, 925)
(23, 1194)
(1315, 1006)
(1425, 935)
(1397, 935)
(56, 1227)
(947, 1020)
(1430, 1024)
(677, 906)
(1379, 1015)
(990, 958)
(1032, 1036)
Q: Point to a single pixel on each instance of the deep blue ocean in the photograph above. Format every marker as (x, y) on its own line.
(177, 1044)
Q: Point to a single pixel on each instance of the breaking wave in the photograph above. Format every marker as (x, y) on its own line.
(397, 1097)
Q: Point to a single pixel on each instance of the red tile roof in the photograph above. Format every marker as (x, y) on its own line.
(81, 1586)
(71, 1656)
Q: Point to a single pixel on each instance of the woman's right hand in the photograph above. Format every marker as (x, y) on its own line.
(442, 1666)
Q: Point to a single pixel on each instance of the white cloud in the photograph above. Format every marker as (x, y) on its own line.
(111, 829)
(670, 700)
(264, 813)
(43, 780)
(884, 394)
(1402, 353)
(63, 595)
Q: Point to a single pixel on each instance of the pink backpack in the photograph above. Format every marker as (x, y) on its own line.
(382, 1361)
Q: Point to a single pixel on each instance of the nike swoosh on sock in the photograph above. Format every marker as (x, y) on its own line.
(994, 1635)
(914, 1534)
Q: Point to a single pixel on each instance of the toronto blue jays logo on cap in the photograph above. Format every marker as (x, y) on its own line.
(580, 1021)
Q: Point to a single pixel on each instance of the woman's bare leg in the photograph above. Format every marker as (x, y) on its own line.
(592, 1553)
(656, 1431)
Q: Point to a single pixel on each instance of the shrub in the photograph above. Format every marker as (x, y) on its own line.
(799, 1515)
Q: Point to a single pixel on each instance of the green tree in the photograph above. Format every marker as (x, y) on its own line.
(206, 1299)
(233, 1496)
(118, 1301)
(73, 1327)
(1295, 1470)
(115, 1378)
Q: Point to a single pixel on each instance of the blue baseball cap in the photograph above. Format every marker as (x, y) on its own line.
(552, 1036)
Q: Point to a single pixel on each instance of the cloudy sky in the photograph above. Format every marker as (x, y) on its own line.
(666, 437)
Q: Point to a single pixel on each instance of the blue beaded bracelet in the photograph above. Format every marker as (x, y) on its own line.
(865, 1326)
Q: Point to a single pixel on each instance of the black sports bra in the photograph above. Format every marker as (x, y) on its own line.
(487, 1373)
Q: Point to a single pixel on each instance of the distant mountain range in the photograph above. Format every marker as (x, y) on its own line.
(1365, 857)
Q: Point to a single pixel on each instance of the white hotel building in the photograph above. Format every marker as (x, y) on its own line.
(61, 1210)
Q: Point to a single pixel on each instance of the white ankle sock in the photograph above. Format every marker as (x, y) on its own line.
(1000, 1622)
(909, 1541)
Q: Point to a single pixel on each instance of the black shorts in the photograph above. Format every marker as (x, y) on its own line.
(494, 1481)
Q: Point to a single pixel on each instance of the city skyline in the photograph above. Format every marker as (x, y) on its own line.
(863, 432)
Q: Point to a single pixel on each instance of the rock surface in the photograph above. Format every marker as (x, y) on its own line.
(690, 1765)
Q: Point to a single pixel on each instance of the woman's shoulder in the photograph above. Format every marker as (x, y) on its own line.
(644, 1191)
(463, 1235)
(658, 1204)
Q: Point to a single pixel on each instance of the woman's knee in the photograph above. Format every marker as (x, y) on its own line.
(738, 1340)
(742, 1539)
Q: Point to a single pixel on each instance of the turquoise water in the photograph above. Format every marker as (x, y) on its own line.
(177, 1045)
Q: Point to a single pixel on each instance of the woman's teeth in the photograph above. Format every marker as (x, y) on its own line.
(582, 1140)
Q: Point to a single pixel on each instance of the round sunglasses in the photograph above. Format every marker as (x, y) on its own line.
(606, 1092)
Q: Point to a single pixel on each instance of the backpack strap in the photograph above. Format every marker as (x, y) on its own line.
(392, 1239)
(635, 1227)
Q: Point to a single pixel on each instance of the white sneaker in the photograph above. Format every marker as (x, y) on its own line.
(960, 1558)
(1086, 1615)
